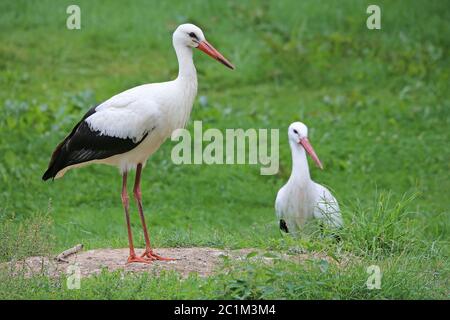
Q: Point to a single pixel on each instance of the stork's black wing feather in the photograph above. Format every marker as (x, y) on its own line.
(84, 144)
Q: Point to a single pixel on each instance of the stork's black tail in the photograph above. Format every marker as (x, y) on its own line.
(54, 166)
(48, 174)
(283, 226)
(57, 162)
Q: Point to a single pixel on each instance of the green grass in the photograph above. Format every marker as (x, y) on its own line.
(376, 102)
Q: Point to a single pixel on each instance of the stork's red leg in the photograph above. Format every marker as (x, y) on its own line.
(126, 205)
(138, 195)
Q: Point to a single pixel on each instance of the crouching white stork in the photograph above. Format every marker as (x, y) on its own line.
(126, 129)
(301, 198)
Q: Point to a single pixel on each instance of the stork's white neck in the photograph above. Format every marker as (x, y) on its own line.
(300, 169)
(186, 67)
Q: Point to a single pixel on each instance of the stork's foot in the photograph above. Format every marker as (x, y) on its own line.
(149, 255)
(134, 258)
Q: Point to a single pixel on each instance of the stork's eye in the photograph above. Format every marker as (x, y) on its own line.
(193, 35)
(295, 131)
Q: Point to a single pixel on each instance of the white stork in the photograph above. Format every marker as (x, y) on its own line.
(301, 198)
(125, 130)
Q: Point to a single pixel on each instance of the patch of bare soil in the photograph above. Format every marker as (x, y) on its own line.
(203, 261)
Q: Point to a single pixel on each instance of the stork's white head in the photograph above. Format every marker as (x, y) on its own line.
(191, 36)
(298, 136)
(188, 35)
(297, 131)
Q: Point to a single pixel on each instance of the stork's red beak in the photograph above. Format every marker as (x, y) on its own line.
(207, 48)
(308, 147)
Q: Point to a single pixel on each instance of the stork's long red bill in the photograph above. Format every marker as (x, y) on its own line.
(207, 48)
(308, 147)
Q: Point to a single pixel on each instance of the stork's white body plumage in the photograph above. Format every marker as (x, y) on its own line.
(301, 199)
(154, 110)
(128, 128)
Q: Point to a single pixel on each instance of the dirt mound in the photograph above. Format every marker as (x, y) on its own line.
(202, 261)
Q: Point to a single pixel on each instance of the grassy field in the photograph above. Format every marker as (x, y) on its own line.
(376, 101)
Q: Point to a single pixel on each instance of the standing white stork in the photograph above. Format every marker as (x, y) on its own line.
(128, 128)
(301, 198)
